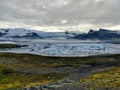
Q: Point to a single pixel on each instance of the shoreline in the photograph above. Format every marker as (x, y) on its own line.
(90, 56)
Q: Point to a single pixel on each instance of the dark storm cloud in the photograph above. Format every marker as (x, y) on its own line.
(103, 13)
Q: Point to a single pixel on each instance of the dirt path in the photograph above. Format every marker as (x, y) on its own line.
(69, 82)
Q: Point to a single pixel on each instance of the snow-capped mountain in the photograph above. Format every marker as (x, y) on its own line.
(32, 34)
(101, 34)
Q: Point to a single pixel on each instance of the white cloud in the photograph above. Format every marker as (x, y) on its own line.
(60, 13)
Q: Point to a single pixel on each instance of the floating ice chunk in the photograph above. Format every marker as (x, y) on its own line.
(97, 47)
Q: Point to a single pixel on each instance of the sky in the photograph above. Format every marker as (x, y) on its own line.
(60, 15)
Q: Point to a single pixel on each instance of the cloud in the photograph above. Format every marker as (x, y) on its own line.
(60, 13)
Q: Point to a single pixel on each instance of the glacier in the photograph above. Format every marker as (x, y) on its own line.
(65, 48)
(61, 44)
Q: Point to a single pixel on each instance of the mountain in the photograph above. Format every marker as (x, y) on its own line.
(33, 34)
(18, 33)
(101, 34)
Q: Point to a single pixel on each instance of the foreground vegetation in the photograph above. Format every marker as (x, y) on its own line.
(10, 46)
(109, 79)
(23, 70)
(13, 80)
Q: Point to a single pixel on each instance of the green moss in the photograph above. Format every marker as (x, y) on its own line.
(3, 80)
(18, 79)
(6, 71)
(7, 46)
(107, 79)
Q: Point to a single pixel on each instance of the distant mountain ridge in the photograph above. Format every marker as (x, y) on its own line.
(33, 34)
(101, 34)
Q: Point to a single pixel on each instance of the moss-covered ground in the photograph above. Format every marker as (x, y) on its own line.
(24, 70)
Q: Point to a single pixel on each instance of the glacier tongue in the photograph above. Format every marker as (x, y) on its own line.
(67, 49)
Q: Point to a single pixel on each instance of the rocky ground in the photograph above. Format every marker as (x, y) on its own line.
(32, 72)
(69, 83)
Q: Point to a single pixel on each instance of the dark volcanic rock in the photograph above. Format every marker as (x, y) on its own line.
(1, 34)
